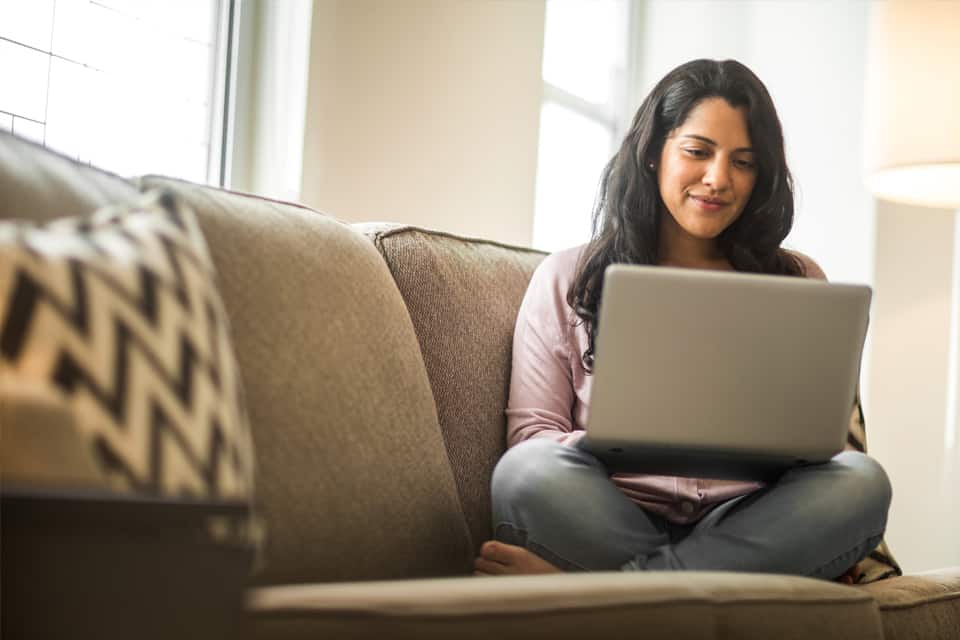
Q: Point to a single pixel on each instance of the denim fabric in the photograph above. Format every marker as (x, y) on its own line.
(817, 520)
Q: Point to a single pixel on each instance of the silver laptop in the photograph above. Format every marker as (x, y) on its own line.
(723, 375)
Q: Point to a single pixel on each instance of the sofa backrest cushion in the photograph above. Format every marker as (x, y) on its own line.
(352, 476)
(40, 185)
(463, 296)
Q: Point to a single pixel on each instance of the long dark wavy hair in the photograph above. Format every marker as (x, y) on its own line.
(628, 208)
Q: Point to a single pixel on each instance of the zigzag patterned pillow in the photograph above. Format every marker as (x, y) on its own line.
(118, 314)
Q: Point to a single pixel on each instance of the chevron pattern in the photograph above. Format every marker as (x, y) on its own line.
(119, 312)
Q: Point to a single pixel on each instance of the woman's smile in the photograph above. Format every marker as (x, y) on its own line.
(710, 204)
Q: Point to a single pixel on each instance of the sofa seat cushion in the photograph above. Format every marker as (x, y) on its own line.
(653, 605)
(353, 481)
(463, 295)
(922, 606)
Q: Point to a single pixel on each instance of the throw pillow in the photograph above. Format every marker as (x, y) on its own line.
(117, 313)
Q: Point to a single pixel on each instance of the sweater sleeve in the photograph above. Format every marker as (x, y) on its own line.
(542, 394)
(810, 267)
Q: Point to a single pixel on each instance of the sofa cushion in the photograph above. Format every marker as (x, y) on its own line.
(42, 185)
(352, 477)
(463, 296)
(118, 312)
(651, 605)
(922, 606)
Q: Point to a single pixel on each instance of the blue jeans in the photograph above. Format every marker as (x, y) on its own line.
(817, 520)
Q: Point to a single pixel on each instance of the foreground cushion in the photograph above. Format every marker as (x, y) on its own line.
(127, 467)
(115, 317)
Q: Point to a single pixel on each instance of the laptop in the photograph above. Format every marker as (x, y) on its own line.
(723, 375)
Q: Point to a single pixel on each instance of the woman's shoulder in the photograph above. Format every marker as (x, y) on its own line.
(547, 292)
(810, 267)
(558, 269)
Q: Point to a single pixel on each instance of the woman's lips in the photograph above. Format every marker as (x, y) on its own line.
(709, 204)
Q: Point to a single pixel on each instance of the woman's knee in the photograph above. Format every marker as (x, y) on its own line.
(522, 467)
(864, 480)
(531, 471)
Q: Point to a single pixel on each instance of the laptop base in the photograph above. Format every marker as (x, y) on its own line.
(621, 457)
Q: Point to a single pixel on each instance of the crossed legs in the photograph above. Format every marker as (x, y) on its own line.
(555, 508)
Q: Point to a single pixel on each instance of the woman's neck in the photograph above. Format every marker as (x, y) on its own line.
(679, 249)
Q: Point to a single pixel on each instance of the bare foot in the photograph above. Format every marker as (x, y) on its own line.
(502, 559)
(851, 576)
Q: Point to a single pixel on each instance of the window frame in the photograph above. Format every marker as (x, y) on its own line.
(220, 99)
(614, 115)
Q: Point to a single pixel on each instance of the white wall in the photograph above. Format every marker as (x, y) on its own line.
(907, 422)
(426, 112)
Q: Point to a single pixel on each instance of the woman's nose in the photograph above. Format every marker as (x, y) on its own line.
(717, 176)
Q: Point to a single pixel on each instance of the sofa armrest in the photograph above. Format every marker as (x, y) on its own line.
(920, 605)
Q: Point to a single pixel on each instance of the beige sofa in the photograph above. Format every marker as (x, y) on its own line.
(376, 362)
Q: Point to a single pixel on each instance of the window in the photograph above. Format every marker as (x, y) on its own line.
(583, 114)
(132, 86)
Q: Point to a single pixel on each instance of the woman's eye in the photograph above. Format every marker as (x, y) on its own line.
(745, 164)
(696, 153)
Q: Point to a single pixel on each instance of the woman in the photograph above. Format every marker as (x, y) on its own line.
(700, 181)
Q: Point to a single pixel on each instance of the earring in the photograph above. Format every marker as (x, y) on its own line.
(651, 166)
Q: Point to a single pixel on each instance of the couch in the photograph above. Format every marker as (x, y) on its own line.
(375, 361)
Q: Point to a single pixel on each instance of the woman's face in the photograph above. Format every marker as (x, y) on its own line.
(707, 169)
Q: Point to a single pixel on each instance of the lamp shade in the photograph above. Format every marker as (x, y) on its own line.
(912, 102)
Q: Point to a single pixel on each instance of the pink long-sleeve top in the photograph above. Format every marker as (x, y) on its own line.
(550, 392)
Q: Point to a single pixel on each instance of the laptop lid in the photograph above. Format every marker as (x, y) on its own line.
(723, 374)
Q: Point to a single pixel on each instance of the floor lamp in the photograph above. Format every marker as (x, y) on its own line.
(912, 145)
